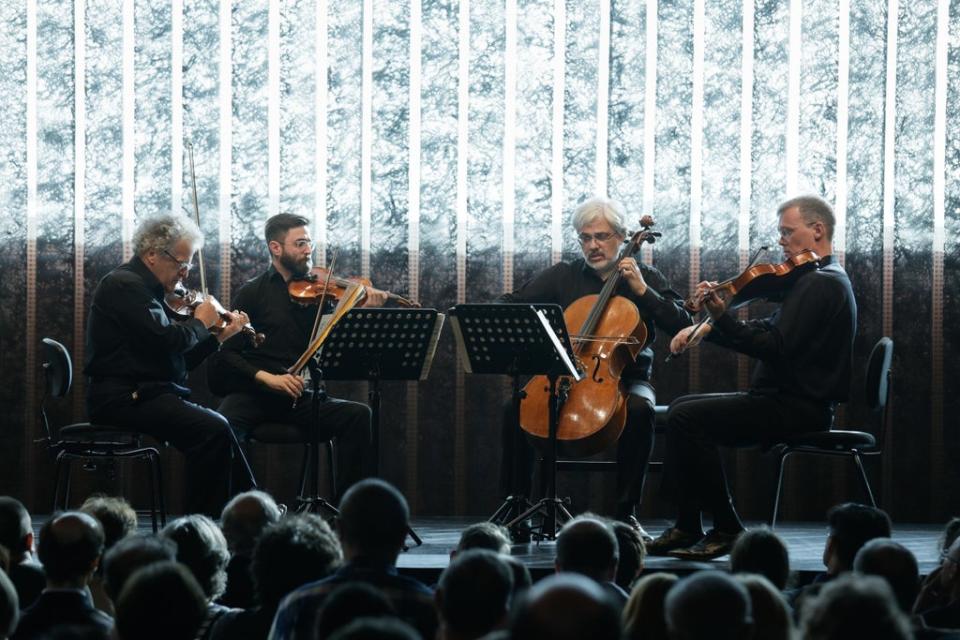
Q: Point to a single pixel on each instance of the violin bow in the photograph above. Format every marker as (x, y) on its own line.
(196, 214)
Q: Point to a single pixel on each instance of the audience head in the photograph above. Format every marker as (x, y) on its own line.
(9, 606)
(772, 619)
(161, 601)
(763, 552)
(349, 602)
(202, 548)
(373, 522)
(16, 530)
(708, 604)
(587, 545)
(376, 629)
(291, 553)
(115, 515)
(632, 554)
(894, 563)
(521, 576)
(4, 559)
(70, 547)
(566, 606)
(643, 615)
(245, 517)
(473, 596)
(950, 570)
(129, 555)
(854, 606)
(950, 533)
(851, 526)
(484, 535)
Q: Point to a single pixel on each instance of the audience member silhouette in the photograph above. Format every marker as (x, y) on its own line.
(70, 547)
(290, 553)
(373, 523)
(854, 606)
(243, 519)
(129, 555)
(9, 606)
(161, 601)
(473, 597)
(587, 545)
(763, 552)
(632, 554)
(566, 606)
(643, 616)
(772, 618)
(118, 520)
(484, 535)
(708, 605)
(376, 629)
(347, 603)
(16, 534)
(939, 603)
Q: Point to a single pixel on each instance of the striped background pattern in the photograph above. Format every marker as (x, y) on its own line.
(441, 146)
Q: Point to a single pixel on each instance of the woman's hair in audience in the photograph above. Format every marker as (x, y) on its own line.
(115, 514)
(772, 619)
(162, 601)
(950, 533)
(349, 602)
(632, 554)
(854, 606)
(297, 550)
(763, 552)
(202, 548)
(643, 615)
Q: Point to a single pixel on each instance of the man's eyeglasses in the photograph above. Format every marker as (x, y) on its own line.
(304, 244)
(602, 236)
(181, 266)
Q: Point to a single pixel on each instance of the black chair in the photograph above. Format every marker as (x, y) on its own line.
(848, 444)
(90, 442)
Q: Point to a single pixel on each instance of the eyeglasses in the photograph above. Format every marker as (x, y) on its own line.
(304, 244)
(786, 233)
(602, 236)
(181, 266)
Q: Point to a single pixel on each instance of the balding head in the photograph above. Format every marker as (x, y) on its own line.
(373, 520)
(245, 517)
(16, 532)
(70, 548)
(708, 604)
(566, 606)
(894, 563)
(586, 545)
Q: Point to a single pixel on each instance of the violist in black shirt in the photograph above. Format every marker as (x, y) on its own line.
(601, 227)
(137, 358)
(804, 351)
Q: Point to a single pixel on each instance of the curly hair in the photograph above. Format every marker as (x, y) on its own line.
(202, 548)
(161, 232)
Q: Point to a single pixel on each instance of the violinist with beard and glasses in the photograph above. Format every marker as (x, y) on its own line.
(255, 381)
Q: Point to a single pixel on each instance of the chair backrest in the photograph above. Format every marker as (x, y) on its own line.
(57, 369)
(877, 384)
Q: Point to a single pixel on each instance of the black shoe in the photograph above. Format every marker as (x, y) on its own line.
(671, 539)
(713, 545)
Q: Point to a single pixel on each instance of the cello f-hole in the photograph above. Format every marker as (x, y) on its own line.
(596, 368)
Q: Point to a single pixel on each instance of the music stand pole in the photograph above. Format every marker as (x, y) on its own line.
(313, 502)
(514, 504)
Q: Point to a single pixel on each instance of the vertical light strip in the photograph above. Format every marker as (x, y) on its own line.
(273, 108)
(937, 446)
(556, 164)
(79, 190)
(843, 102)
(320, 113)
(696, 170)
(225, 82)
(603, 98)
(366, 143)
(463, 140)
(176, 106)
(129, 132)
(746, 164)
(509, 139)
(889, 141)
(30, 310)
(793, 96)
(650, 120)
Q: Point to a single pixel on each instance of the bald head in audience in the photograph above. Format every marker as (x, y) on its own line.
(709, 604)
(70, 548)
(566, 606)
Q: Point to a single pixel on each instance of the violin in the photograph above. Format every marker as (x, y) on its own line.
(315, 287)
(757, 282)
(181, 304)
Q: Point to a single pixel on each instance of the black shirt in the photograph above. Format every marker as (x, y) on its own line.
(806, 347)
(565, 282)
(131, 340)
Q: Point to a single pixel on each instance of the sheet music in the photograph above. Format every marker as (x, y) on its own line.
(432, 348)
(558, 347)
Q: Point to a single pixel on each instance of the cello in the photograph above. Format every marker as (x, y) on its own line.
(611, 335)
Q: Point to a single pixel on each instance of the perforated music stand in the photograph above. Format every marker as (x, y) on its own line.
(520, 340)
(382, 344)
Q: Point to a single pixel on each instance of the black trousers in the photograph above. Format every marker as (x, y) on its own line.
(633, 450)
(698, 425)
(347, 422)
(201, 434)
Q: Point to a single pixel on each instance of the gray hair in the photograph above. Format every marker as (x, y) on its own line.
(813, 209)
(159, 233)
(601, 207)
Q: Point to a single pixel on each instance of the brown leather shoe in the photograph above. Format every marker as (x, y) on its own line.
(713, 545)
(671, 539)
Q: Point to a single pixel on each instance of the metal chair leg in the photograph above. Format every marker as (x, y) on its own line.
(863, 478)
(57, 481)
(332, 466)
(781, 458)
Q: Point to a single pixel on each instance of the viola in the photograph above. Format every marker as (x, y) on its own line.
(318, 285)
(611, 335)
(181, 304)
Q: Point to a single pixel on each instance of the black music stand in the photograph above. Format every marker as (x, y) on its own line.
(521, 339)
(382, 344)
(313, 502)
